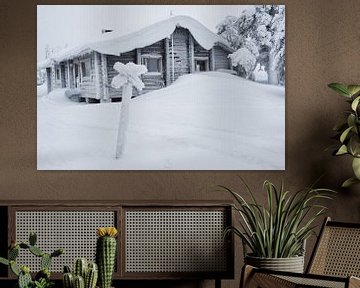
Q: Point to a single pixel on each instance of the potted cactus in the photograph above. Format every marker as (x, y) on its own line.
(42, 278)
(84, 275)
(106, 254)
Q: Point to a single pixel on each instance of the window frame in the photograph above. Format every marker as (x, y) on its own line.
(83, 65)
(158, 57)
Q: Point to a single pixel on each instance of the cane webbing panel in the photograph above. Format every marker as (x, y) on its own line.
(338, 252)
(312, 282)
(75, 231)
(175, 241)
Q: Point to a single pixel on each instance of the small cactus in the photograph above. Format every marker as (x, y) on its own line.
(13, 253)
(68, 280)
(89, 272)
(36, 251)
(91, 276)
(14, 268)
(32, 238)
(106, 254)
(24, 278)
(80, 268)
(79, 282)
(45, 261)
(67, 269)
(57, 252)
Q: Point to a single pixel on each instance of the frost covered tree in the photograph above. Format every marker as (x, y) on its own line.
(127, 78)
(261, 31)
(245, 62)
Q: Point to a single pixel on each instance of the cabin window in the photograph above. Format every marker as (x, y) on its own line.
(57, 74)
(153, 63)
(85, 69)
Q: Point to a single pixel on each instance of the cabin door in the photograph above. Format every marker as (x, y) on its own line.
(48, 79)
(63, 79)
(76, 75)
(201, 65)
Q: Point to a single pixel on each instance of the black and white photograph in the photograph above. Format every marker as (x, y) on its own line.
(161, 87)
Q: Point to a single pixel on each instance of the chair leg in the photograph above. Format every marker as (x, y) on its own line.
(246, 274)
(251, 279)
(354, 282)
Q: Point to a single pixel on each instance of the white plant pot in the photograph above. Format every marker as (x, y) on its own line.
(291, 264)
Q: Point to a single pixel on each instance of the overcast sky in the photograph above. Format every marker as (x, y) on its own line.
(60, 25)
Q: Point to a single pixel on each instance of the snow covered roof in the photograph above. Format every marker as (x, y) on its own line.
(142, 38)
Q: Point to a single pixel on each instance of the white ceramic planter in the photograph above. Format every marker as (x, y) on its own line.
(291, 264)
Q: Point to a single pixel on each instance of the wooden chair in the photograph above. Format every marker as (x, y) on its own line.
(334, 263)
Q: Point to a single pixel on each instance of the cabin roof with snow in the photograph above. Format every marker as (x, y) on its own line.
(118, 44)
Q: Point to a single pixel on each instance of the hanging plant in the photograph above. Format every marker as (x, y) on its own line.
(348, 133)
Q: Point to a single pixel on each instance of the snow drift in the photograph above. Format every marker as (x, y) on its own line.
(204, 121)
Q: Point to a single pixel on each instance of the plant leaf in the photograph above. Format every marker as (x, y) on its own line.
(353, 89)
(355, 103)
(351, 120)
(356, 167)
(342, 150)
(340, 88)
(345, 134)
(349, 182)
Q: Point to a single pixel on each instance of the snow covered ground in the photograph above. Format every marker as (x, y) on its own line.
(204, 121)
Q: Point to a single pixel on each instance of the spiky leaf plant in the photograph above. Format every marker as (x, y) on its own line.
(278, 229)
(348, 133)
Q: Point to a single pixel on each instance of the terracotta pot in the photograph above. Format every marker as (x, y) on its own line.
(291, 264)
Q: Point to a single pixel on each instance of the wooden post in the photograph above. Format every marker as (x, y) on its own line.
(80, 73)
(74, 75)
(167, 62)
(68, 68)
(104, 78)
(212, 59)
(191, 54)
(60, 74)
(138, 56)
(172, 58)
(124, 119)
(97, 76)
(53, 76)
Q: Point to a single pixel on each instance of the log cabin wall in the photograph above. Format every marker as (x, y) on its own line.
(98, 77)
(87, 82)
(154, 81)
(221, 58)
(199, 51)
(111, 72)
(181, 53)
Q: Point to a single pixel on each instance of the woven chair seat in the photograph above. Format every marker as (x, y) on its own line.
(335, 262)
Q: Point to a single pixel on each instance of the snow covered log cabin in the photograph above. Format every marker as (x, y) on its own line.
(170, 48)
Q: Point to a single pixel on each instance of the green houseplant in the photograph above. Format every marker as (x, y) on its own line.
(106, 254)
(348, 133)
(275, 233)
(84, 274)
(42, 278)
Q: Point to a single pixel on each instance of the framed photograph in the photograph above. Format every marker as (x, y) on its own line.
(161, 87)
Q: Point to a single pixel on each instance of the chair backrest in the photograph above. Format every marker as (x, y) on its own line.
(337, 251)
